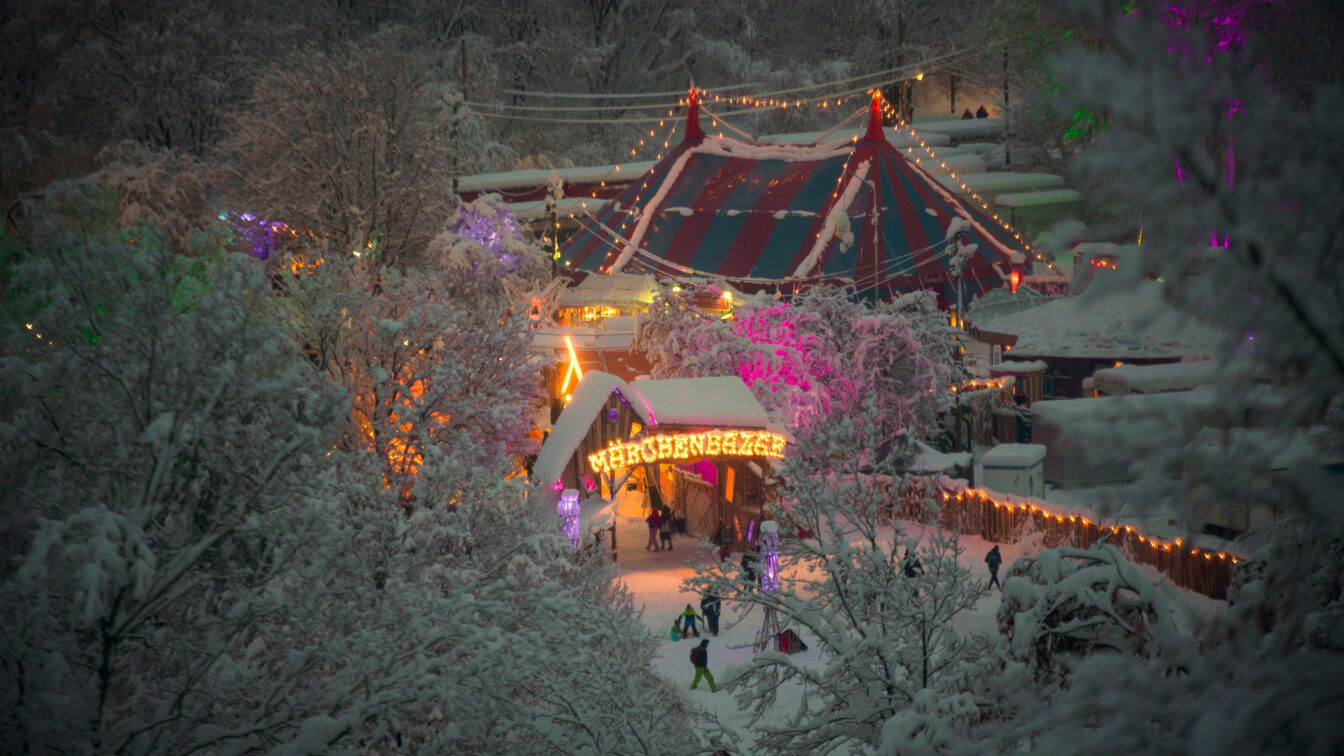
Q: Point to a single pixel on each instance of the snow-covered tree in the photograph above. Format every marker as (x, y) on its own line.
(345, 144)
(195, 567)
(819, 357)
(880, 604)
(430, 360)
(1240, 217)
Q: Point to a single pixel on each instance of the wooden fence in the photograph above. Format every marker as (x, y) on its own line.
(1005, 519)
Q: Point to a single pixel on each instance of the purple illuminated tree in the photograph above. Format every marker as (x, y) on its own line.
(816, 359)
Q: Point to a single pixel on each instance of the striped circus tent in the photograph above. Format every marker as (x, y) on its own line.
(781, 217)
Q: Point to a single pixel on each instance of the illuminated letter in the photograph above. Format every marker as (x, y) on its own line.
(664, 447)
(616, 456)
(712, 444)
(730, 443)
(779, 446)
(649, 451)
(595, 463)
(697, 445)
(679, 446)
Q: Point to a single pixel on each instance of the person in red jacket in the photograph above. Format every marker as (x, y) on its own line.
(655, 519)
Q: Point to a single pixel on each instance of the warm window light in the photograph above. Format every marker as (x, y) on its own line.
(574, 370)
(919, 76)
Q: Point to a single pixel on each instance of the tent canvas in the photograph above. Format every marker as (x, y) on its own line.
(785, 216)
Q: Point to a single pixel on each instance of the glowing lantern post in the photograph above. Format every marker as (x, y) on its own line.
(568, 512)
(769, 556)
(1019, 262)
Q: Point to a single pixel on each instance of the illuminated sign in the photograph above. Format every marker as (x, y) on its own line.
(687, 446)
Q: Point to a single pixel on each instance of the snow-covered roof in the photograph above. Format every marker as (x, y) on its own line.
(722, 401)
(1038, 197)
(574, 421)
(971, 164)
(619, 335)
(1002, 183)
(611, 289)
(1017, 367)
(961, 128)
(928, 459)
(897, 138)
(1062, 413)
(1013, 455)
(493, 182)
(1135, 324)
(1150, 379)
(565, 207)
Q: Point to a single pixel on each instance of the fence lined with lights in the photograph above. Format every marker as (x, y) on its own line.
(1002, 518)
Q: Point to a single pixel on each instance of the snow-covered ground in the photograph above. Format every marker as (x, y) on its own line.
(655, 579)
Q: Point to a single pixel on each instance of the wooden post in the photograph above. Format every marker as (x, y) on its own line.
(462, 49)
(1007, 130)
(952, 95)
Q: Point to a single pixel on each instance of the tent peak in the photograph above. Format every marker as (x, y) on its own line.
(692, 132)
(875, 133)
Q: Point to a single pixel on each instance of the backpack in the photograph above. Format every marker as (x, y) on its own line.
(698, 656)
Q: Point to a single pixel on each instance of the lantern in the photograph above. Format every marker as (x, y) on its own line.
(568, 512)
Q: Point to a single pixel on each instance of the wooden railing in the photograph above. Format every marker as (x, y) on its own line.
(1002, 518)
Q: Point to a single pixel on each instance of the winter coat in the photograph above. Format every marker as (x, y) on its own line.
(994, 559)
(654, 519)
(665, 526)
(689, 612)
(700, 656)
(710, 604)
(911, 567)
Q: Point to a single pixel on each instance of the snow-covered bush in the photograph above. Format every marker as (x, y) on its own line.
(1066, 603)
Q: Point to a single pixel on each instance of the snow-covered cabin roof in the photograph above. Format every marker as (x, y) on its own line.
(928, 459)
(1013, 455)
(1151, 379)
(576, 418)
(1018, 367)
(565, 207)
(505, 180)
(1136, 324)
(1107, 411)
(613, 289)
(720, 401)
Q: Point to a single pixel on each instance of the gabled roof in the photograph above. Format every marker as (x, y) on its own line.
(790, 215)
(1133, 324)
(724, 401)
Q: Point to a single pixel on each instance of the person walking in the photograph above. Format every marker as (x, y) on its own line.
(910, 565)
(688, 616)
(994, 559)
(710, 605)
(665, 530)
(655, 520)
(700, 660)
(748, 563)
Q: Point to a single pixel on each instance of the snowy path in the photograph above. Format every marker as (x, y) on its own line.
(655, 579)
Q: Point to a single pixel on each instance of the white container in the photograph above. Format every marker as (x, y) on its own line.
(1017, 469)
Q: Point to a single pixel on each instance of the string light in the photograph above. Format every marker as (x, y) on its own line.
(890, 111)
(1077, 523)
